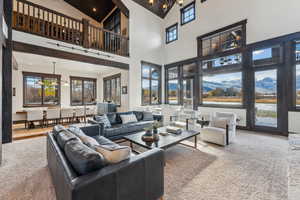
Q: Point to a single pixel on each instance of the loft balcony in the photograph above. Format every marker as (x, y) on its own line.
(38, 20)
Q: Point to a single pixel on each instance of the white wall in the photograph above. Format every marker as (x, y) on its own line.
(146, 44)
(266, 19)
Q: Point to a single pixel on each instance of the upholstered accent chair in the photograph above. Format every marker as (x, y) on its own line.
(222, 129)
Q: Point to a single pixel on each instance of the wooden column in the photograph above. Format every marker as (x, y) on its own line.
(85, 38)
(7, 77)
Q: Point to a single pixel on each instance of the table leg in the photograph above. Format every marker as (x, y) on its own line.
(196, 145)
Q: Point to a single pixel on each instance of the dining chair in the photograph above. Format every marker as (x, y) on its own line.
(79, 114)
(52, 115)
(34, 116)
(67, 114)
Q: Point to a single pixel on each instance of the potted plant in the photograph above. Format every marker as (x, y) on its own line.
(148, 131)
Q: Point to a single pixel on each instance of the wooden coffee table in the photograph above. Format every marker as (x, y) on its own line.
(164, 142)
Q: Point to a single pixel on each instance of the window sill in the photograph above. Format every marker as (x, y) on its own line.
(222, 106)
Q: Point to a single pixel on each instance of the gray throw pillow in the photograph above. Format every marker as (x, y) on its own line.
(103, 119)
(148, 116)
(83, 159)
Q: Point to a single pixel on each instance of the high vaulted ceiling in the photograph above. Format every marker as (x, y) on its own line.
(103, 7)
(156, 8)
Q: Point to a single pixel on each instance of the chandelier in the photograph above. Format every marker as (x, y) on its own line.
(166, 3)
(52, 82)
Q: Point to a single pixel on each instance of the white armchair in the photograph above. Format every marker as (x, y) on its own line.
(222, 129)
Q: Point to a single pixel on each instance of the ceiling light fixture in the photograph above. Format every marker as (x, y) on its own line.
(94, 9)
(166, 4)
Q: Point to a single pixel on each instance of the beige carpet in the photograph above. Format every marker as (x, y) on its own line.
(254, 168)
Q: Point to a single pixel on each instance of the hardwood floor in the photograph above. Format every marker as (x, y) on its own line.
(21, 133)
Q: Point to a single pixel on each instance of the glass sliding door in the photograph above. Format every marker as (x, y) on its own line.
(266, 98)
(188, 93)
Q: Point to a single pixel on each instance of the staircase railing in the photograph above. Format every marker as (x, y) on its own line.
(35, 19)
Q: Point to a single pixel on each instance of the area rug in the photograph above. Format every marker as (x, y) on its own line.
(254, 168)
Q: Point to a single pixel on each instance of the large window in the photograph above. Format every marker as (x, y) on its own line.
(298, 85)
(222, 89)
(222, 61)
(173, 86)
(267, 56)
(222, 40)
(297, 73)
(151, 84)
(188, 13)
(112, 89)
(83, 91)
(41, 89)
(172, 33)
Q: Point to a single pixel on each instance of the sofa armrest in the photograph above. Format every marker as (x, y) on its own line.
(101, 127)
(92, 130)
(140, 177)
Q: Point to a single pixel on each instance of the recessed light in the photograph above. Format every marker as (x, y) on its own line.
(94, 9)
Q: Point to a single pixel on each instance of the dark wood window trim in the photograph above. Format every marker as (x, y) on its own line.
(82, 85)
(112, 78)
(159, 68)
(180, 77)
(243, 42)
(41, 75)
(294, 107)
(193, 3)
(167, 31)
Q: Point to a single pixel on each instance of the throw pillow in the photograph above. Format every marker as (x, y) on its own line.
(128, 118)
(112, 117)
(148, 116)
(83, 158)
(103, 119)
(113, 153)
(139, 115)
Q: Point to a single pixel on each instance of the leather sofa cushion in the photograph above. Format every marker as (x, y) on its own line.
(148, 116)
(139, 115)
(120, 129)
(82, 158)
(87, 140)
(57, 129)
(64, 137)
(112, 117)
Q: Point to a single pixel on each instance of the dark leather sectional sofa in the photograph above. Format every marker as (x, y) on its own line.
(118, 130)
(141, 177)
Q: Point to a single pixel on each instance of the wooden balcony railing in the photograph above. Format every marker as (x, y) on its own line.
(36, 19)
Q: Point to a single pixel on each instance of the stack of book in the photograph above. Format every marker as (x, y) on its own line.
(174, 130)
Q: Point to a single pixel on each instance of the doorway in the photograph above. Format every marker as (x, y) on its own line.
(266, 98)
